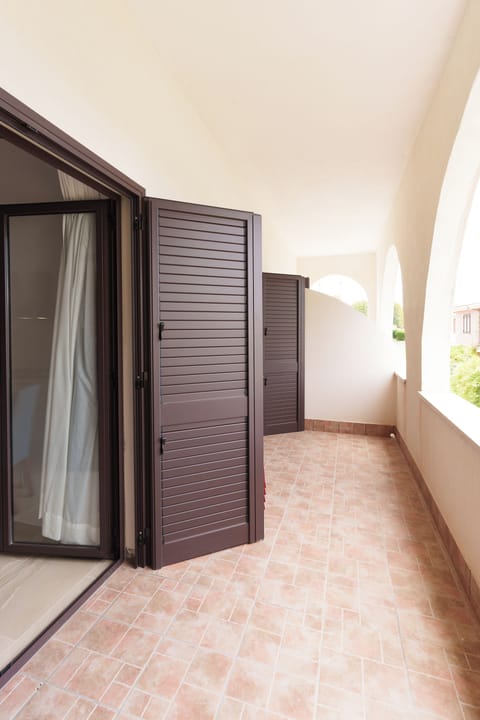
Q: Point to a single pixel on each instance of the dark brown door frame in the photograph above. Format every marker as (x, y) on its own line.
(109, 543)
(255, 330)
(29, 130)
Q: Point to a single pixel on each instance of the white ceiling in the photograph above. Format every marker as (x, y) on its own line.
(316, 102)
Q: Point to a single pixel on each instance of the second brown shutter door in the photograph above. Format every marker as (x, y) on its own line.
(283, 319)
(204, 378)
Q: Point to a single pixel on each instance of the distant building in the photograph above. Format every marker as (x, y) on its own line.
(466, 325)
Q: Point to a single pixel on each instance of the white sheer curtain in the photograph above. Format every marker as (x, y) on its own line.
(69, 499)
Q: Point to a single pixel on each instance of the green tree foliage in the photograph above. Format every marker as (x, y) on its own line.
(465, 373)
(398, 334)
(361, 306)
(398, 321)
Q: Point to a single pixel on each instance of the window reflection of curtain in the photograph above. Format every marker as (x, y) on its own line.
(69, 500)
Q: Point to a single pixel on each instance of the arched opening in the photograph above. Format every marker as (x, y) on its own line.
(344, 288)
(456, 219)
(465, 338)
(391, 310)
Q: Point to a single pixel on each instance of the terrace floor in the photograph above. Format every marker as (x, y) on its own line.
(347, 611)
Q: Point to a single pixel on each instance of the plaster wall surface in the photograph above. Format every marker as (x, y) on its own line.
(348, 364)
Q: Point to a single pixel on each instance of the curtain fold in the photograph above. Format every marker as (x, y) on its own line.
(69, 498)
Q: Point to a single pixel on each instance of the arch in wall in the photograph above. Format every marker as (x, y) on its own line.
(390, 274)
(342, 287)
(392, 292)
(361, 267)
(452, 221)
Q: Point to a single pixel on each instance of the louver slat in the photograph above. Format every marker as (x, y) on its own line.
(179, 482)
(185, 216)
(202, 225)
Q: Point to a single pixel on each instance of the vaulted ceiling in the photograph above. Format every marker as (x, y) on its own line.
(315, 102)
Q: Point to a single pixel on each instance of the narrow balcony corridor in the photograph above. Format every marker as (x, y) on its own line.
(347, 611)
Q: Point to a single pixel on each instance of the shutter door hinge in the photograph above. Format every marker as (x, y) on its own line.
(163, 442)
(161, 328)
(141, 380)
(138, 222)
(143, 536)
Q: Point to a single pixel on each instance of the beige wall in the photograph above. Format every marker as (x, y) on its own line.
(448, 463)
(126, 108)
(401, 400)
(277, 256)
(348, 364)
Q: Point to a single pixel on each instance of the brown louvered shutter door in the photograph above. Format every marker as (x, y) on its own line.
(283, 319)
(205, 376)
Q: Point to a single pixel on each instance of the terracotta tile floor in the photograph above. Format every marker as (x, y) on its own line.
(347, 611)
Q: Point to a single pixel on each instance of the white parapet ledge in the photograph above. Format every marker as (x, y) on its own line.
(464, 416)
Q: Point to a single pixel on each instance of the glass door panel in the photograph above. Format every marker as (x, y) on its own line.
(53, 379)
(57, 493)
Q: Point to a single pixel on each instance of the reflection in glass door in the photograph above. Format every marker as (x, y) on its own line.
(55, 314)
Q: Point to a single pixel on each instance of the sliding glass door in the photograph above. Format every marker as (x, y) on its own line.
(57, 379)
